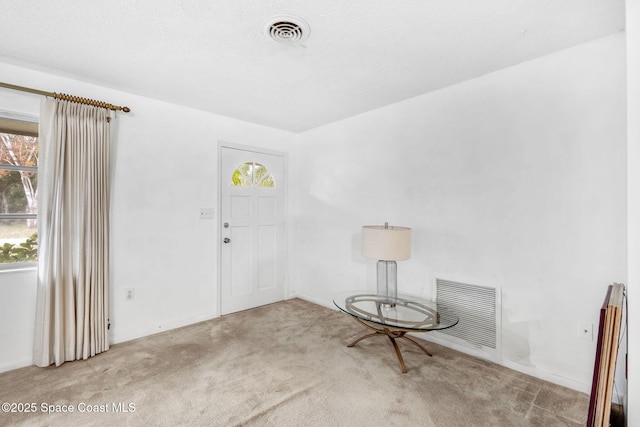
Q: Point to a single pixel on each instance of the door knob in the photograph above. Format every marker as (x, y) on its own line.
(226, 240)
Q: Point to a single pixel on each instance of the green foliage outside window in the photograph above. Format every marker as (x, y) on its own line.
(21, 252)
(252, 173)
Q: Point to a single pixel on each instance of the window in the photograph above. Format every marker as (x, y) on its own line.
(18, 192)
(252, 174)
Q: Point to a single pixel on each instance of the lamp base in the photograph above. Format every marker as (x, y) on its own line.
(388, 283)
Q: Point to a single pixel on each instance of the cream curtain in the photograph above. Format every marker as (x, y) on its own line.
(73, 233)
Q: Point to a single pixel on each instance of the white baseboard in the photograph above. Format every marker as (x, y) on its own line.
(6, 367)
(115, 339)
(617, 397)
(528, 370)
(451, 342)
(316, 300)
(548, 376)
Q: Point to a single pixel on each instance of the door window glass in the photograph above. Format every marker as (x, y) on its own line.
(252, 174)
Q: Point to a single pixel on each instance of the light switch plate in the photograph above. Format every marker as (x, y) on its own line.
(206, 213)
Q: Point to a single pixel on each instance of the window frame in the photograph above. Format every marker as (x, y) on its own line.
(28, 126)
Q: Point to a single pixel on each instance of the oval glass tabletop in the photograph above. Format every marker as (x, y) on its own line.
(402, 313)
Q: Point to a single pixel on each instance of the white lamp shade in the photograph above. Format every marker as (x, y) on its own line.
(386, 244)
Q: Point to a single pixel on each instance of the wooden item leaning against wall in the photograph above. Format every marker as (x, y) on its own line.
(606, 355)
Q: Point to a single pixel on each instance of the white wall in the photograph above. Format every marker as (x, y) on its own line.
(633, 210)
(17, 318)
(165, 170)
(515, 179)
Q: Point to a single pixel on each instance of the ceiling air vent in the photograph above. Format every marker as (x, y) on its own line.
(287, 29)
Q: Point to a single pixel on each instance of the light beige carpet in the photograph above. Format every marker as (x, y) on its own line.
(286, 364)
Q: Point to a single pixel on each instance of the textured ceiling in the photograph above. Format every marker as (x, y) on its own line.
(361, 54)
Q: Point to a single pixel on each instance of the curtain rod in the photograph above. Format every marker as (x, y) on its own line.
(66, 97)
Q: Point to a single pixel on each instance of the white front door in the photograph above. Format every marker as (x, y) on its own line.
(252, 229)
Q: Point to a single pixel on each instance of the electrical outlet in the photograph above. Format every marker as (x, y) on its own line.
(129, 294)
(206, 213)
(586, 331)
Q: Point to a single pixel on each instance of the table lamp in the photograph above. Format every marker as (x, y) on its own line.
(387, 244)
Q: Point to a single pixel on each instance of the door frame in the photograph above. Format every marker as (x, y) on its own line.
(285, 158)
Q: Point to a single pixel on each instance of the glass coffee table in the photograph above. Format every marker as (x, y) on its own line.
(395, 317)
